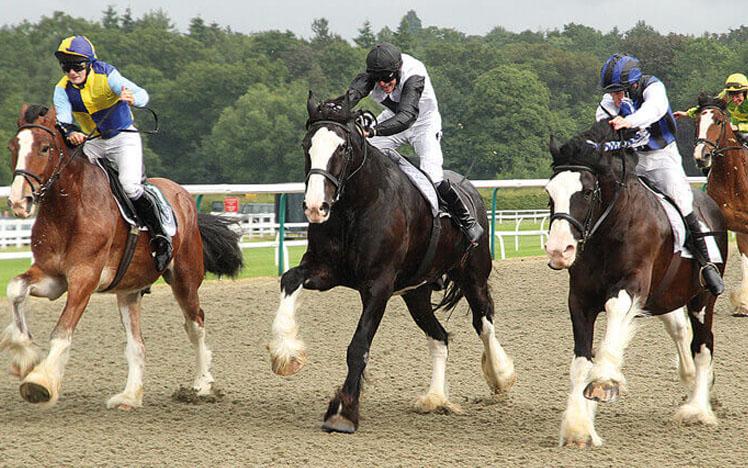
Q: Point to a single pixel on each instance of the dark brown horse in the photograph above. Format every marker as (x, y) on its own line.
(78, 240)
(370, 231)
(718, 149)
(614, 237)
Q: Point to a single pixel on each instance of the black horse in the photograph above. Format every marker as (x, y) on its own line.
(370, 230)
(614, 237)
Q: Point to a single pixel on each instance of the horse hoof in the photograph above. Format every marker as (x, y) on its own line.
(437, 404)
(578, 443)
(338, 423)
(604, 392)
(288, 367)
(34, 393)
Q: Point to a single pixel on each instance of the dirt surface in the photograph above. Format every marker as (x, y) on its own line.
(262, 419)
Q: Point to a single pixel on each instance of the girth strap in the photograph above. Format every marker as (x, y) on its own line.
(132, 238)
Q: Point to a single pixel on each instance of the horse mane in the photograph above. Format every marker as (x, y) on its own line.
(332, 109)
(583, 149)
(705, 100)
(34, 111)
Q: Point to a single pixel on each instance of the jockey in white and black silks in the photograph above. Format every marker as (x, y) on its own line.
(93, 98)
(634, 100)
(402, 85)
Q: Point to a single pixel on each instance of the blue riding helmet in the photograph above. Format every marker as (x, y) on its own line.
(619, 72)
(76, 49)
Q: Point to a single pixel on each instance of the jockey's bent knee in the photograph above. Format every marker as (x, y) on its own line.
(133, 191)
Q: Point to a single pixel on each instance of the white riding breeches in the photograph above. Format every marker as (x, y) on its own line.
(125, 152)
(664, 169)
(425, 137)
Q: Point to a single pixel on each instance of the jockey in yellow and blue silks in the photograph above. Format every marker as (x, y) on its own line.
(94, 99)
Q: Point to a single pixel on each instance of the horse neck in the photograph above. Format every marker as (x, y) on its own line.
(65, 194)
(362, 188)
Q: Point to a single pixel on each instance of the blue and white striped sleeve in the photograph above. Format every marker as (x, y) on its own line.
(117, 81)
(62, 106)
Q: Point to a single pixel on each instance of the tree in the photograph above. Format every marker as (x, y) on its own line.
(321, 30)
(110, 20)
(366, 38)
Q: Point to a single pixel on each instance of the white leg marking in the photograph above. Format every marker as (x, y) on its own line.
(578, 421)
(286, 349)
(49, 372)
(739, 297)
(620, 313)
(16, 338)
(679, 329)
(498, 367)
(203, 378)
(698, 408)
(132, 396)
(436, 397)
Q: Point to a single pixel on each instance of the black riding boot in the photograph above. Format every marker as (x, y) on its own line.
(457, 208)
(160, 242)
(709, 271)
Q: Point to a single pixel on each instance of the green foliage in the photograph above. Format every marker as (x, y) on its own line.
(232, 106)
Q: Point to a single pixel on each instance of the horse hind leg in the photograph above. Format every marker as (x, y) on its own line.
(739, 297)
(698, 407)
(679, 330)
(132, 396)
(16, 338)
(185, 285)
(497, 365)
(436, 398)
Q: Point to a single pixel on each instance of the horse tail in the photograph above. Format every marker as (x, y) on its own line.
(221, 252)
(452, 295)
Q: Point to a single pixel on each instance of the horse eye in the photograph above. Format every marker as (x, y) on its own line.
(45, 149)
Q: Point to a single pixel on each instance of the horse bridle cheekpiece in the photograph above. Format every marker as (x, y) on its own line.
(714, 148)
(43, 186)
(361, 122)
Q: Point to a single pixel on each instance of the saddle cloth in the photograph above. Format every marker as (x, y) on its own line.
(679, 231)
(166, 214)
(420, 180)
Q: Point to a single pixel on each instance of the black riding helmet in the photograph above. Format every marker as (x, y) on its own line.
(384, 62)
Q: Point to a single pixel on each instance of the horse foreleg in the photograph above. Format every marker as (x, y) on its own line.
(286, 349)
(436, 398)
(16, 338)
(42, 384)
(739, 297)
(677, 327)
(606, 379)
(578, 420)
(698, 407)
(343, 411)
(132, 396)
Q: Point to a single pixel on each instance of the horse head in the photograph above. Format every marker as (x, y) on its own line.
(36, 150)
(588, 170)
(329, 154)
(712, 129)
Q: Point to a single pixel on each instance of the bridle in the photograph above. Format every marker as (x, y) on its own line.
(44, 187)
(340, 181)
(714, 149)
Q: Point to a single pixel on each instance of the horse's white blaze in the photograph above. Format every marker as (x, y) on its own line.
(132, 396)
(707, 117)
(620, 313)
(679, 329)
(25, 142)
(698, 408)
(324, 144)
(498, 367)
(285, 345)
(560, 189)
(578, 421)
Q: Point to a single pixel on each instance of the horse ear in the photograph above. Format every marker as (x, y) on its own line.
(22, 114)
(311, 104)
(553, 147)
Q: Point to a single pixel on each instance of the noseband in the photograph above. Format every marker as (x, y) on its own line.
(43, 186)
(587, 229)
(340, 181)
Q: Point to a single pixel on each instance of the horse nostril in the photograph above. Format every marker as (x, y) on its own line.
(303, 205)
(325, 208)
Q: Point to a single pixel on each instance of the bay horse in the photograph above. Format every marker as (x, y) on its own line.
(369, 231)
(613, 236)
(77, 242)
(719, 150)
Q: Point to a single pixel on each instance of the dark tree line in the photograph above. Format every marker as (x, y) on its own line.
(232, 106)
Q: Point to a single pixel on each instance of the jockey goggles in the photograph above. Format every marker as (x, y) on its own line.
(75, 66)
(385, 76)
